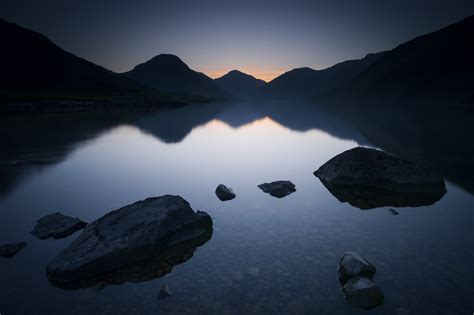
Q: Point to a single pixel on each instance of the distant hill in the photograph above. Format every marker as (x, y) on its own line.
(169, 74)
(304, 83)
(239, 84)
(437, 67)
(33, 67)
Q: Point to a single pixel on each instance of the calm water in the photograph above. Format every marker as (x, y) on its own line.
(266, 255)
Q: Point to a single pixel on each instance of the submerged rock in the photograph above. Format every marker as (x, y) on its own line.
(362, 292)
(57, 225)
(164, 292)
(353, 265)
(368, 178)
(393, 211)
(279, 189)
(135, 243)
(10, 250)
(224, 193)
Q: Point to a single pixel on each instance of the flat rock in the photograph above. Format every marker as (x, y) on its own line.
(135, 243)
(57, 225)
(224, 193)
(368, 178)
(353, 265)
(10, 250)
(362, 292)
(279, 189)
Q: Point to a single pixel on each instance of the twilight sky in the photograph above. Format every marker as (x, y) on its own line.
(262, 38)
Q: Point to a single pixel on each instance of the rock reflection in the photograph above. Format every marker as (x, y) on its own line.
(174, 254)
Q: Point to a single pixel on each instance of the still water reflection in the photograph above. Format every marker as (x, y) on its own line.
(266, 255)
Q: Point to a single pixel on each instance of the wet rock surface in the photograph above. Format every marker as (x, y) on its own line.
(368, 178)
(10, 250)
(224, 193)
(353, 265)
(362, 292)
(135, 243)
(279, 189)
(57, 225)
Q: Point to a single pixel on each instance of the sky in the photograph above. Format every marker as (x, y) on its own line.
(261, 37)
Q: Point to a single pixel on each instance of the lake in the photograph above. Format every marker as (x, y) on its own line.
(266, 255)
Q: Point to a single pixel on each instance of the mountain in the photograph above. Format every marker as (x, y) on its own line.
(33, 67)
(436, 67)
(169, 74)
(303, 83)
(240, 84)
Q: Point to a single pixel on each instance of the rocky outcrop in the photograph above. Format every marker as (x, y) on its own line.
(10, 250)
(136, 243)
(224, 193)
(368, 178)
(353, 265)
(355, 276)
(57, 225)
(362, 292)
(279, 189)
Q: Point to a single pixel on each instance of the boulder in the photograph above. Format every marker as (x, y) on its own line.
(362, 292)
(224, 193)
(353, 265)
(10, 250)
(135, 243)
(279, 189)
(368, 178)
(57, 225)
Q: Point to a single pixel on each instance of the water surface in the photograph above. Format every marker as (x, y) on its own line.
(266, 255)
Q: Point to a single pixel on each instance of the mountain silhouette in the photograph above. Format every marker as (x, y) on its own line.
(170, 74)
(437, 67)
(305, 83)
(239, 84)
(33, 67)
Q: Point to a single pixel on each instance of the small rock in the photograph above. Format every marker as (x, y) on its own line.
(353, 265)
(393, 211)
(224, 193)
(57, 225)
(164, 292)
(279, 189)
(363, 293)
(253, 271)
(10, 250)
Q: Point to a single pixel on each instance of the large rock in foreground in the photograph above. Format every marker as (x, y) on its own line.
(369, 178)
(353, 265)
(10, 250)
(279, 189)
(362, 292)
(224, 193)
(138, 242)
(57, 225)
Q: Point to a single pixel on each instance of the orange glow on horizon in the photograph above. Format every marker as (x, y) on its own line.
(265, 75)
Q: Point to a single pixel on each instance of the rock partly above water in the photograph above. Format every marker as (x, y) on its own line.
(224, 193)
(136, 243)
(57, 225)
(10, 250)
(164, 292)
(362, 292)
(279, 189)
(369, 178)
(353, 265)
